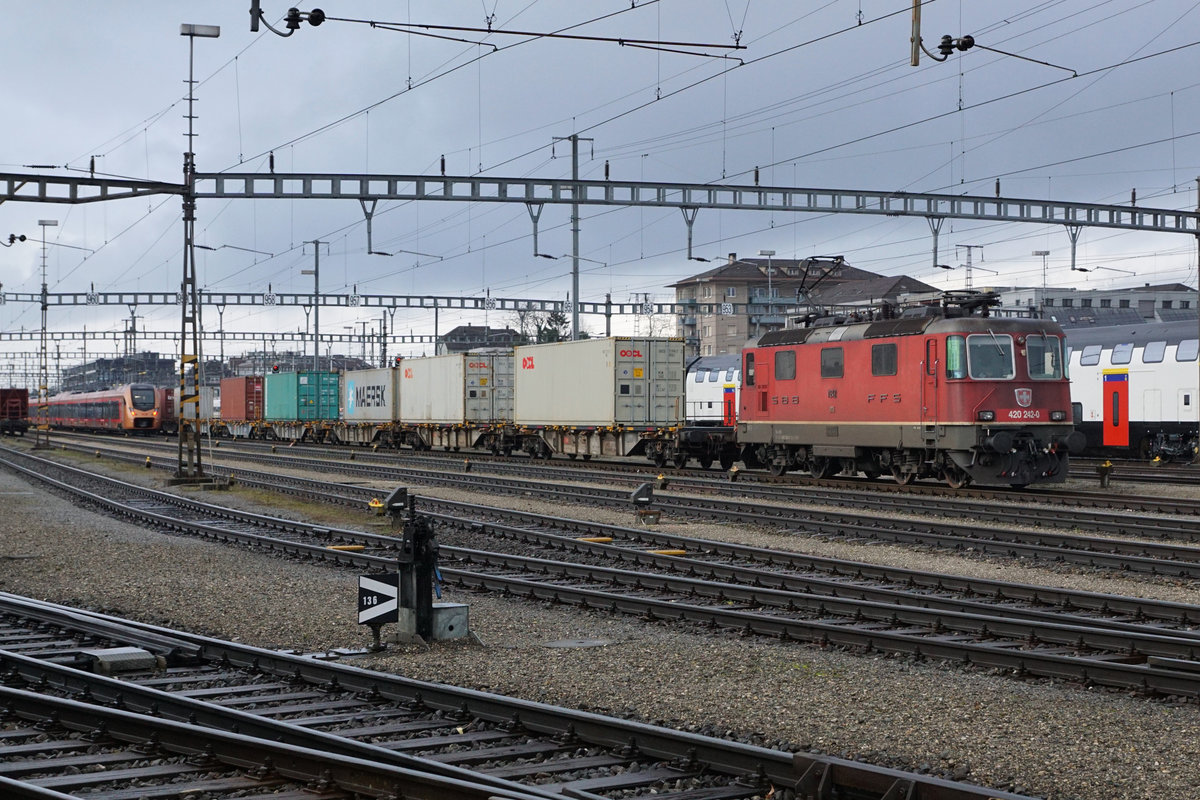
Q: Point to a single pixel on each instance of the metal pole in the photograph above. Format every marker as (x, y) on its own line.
(575, 239)
(42, 440)
(316, 273)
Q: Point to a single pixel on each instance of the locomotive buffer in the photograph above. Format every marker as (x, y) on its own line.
(405, 598)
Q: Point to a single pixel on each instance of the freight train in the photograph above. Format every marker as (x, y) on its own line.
(132, 408)
(14, 411)
(1134, 388)
(948, 393)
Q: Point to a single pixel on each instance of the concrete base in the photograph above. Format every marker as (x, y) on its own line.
(450, 621)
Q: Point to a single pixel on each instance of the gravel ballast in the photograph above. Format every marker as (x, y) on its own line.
(1037, 737)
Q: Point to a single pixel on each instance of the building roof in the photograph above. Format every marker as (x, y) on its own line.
(857, 292)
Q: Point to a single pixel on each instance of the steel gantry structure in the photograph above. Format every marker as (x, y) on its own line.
(535, 193)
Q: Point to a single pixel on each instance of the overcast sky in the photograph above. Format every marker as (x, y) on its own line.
(1086, 101)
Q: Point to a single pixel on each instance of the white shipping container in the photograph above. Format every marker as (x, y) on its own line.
(600, 383)
(455, 389)
(371, 395)
(210, 402)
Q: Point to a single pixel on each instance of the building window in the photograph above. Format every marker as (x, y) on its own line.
(707, 331)
(707, 290)
(1123, 304)
(1167, 304)
(1106, 303)
(1185, 303)
(1086, 302)
(731, 291)
(1049, 302)
(1067, 302)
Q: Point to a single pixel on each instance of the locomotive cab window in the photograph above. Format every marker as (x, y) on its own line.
(833, 363)
(142, 397)
(990, 356)
(883, 359)
(749, 369)
(785, 365)
(1044, 356)
(956, 357)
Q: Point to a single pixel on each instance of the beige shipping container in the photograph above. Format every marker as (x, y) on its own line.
(633, 382)
(456, 389)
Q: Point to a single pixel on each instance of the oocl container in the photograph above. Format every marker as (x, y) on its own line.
(457, 388)
(301, 396)
(371, 395)
(600, 383)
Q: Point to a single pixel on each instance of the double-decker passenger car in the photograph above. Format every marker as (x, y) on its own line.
(952, 394)
(133, 408)
(1134, 388)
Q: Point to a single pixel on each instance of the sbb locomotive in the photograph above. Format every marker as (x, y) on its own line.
(954, 394)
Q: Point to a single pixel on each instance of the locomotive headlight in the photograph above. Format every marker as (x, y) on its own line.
(1058, 416)
(986, 416)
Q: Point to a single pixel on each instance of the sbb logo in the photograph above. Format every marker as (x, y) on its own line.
(527, 362)
(631, 354)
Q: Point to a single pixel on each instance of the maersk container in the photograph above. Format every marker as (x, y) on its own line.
(301, 396)
(593, 383)
(371, 395)
(457, 388)
(242, 399)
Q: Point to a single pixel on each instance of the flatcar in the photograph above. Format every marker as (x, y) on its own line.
(1134, 388)
(132, 408)
(952, 394)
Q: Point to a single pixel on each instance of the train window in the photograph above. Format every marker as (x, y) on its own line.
(729, 376)
(713, 375)
(956, 357)
(700, 376)
(1122, 353)
(1090, 356)
(833, 362)
(749, 369)
(1153, 352)
(883, 359)
(785, 365)
(1186, 350)
(990, 356)
(1044, 357)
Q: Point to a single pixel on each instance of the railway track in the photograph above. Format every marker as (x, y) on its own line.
(1137, 542)
(1115, 652)
(235, 720)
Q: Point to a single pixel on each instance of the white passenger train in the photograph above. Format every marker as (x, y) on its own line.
(1133, 388)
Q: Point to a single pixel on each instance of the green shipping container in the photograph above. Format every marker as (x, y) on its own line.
(302, 396)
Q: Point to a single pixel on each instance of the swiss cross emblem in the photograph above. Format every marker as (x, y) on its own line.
(1024, 397)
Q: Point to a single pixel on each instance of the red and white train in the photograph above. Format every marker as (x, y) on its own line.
(132, 408)
(953, 394)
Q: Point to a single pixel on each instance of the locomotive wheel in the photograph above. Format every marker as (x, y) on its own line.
(823, 467)
(901, 477)
(706, 462)
(955, 477)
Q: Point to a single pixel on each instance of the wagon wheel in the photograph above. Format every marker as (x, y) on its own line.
(660, 459)
(587, 456)
(823, 467)
(955, 476)
(726, 462)
(901, 477)
(572, 456)
(777, 468)
(681, 460)
(706, 462)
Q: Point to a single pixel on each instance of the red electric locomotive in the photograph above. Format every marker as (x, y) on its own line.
(952, 394)
(133, 408)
